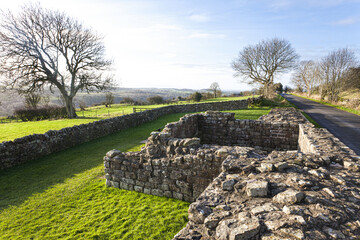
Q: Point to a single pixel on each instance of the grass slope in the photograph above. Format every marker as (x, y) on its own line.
(63, 195)
(350, 110)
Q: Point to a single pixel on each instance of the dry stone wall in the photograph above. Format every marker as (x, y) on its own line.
(182, 160)
(309, 193)
(31, 147)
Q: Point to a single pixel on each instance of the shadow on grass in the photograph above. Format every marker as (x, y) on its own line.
(19, 183)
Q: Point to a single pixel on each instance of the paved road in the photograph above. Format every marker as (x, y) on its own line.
(344, 125)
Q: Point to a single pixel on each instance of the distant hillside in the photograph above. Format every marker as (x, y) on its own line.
(10, 100)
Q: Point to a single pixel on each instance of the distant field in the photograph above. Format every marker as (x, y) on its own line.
(11, 131)
(63, 195)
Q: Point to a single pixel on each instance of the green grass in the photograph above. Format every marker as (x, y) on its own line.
(63, 195)
(251, 113)
(317, 125)
(11, 131)
(350, 110)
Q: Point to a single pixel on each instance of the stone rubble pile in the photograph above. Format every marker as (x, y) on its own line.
(285, 195)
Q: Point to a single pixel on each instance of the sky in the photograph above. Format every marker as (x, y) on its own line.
(191, 43)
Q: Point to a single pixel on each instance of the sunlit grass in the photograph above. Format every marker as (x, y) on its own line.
(63, 195)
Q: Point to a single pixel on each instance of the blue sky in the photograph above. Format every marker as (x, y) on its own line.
(190, 44)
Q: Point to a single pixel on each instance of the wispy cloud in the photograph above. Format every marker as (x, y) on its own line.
(203, 17)
(205, 35)
(347, 21)
(281, 4)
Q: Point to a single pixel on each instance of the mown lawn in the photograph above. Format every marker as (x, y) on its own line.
(11, 131)
(63, 195)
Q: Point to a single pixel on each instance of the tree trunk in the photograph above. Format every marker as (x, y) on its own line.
(70, 107)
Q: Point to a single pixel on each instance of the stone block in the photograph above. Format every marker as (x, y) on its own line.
(246, 228)
(113, 153)
(178, 195)
(157, 192)
(228, 185)
(138, 188)
(257, 188)
(147, 191)
(168, 194)
(289, 196)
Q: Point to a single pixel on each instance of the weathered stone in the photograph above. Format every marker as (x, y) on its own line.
(329, 191)
(228, 185)
(113, 153)
(191, 142)
(293, 233)
(334, 234)
(222, 152)
(281, 166)
(352, 166)
(138, 189)
(257, 188)
(293, 210)
(290, 196)
(317, 173)
(266, 167)
(338, 179)
(274, 224)
(234, 229)
(198, 212)
(267, 207)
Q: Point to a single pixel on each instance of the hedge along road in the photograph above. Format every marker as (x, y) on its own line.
(344, 125)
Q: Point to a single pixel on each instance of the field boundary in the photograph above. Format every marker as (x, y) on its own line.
(34, 146)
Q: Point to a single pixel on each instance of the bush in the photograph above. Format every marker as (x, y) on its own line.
(35, 114)
(155, 100)
(196, 97)
(127, 100)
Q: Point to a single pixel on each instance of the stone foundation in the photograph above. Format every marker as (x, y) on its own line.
(274, 178)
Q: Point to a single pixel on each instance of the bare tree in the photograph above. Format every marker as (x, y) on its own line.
(333, 71)
(44, 48)
(307, 75)
(109, 99)
(260, 63)
(353, 78)
(32, 100)
(215, 88)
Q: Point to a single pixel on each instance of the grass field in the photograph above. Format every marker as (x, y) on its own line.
(11, 131)
(63, 195)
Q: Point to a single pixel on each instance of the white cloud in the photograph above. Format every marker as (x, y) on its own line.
(346, 21)
(199, 17)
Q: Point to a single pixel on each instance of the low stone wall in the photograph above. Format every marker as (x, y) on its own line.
(179, 162)
(183, 176)
(224, 129)
(31, 147)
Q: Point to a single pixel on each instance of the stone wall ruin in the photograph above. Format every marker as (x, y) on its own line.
(291, 181)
